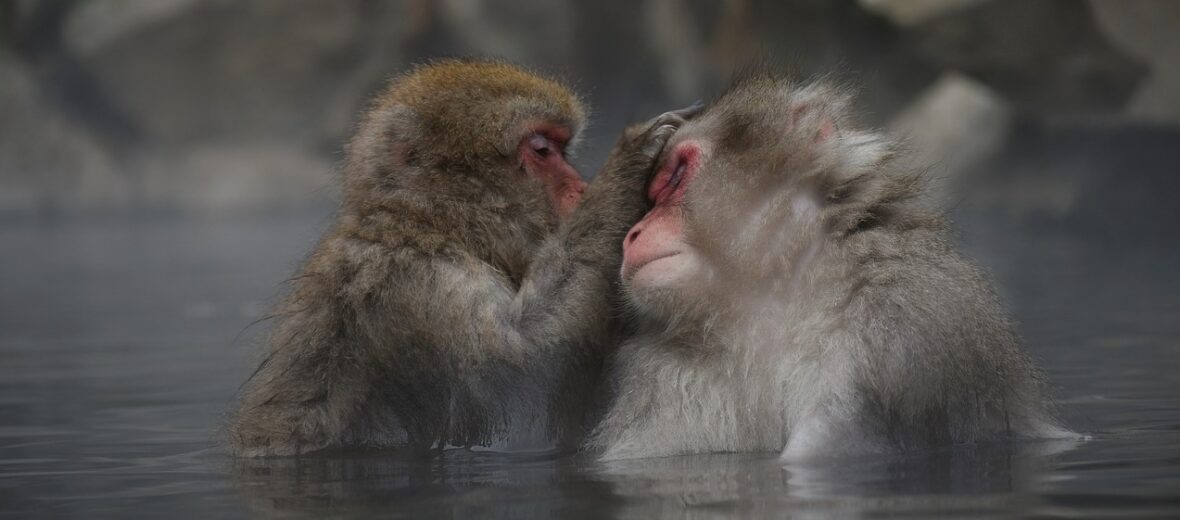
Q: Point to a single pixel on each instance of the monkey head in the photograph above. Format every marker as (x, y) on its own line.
(486, 125)
(745, 194)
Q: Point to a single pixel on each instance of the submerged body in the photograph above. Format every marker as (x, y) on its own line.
(794, 293)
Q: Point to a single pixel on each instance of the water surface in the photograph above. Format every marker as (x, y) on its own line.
(122, 343)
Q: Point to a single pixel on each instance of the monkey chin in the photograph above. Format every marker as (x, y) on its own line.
(658, 284)
(665, 270)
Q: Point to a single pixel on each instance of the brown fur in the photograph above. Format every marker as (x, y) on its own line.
(448, 306)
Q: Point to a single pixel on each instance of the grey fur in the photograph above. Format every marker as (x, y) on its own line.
(824, 310)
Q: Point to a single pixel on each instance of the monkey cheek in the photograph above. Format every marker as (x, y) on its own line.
(565, 202)
(561, 182)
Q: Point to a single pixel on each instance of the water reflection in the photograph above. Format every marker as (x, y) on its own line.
(997, 478)
(982, 477)
(456, 483)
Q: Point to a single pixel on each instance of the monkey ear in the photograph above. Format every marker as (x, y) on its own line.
(815, 119)
(827, 130)
(816, 111)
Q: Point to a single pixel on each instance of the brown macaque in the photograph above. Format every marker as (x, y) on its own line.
(465, 296)
(793, 292)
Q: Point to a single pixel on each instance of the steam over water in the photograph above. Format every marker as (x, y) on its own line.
(122, 344)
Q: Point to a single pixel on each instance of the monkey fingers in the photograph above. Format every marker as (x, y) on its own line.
(662, 127)
(687, 113)
(679, 116)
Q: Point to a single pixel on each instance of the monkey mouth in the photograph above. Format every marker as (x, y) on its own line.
(629, 271)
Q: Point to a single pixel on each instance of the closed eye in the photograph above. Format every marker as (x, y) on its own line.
(677, 176)
(541, 146)
(666, 183)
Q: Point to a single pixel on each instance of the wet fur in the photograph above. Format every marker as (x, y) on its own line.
(447, 306)
(830, 314)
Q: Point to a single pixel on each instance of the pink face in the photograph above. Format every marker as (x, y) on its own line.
(542, 153)
(654, 251)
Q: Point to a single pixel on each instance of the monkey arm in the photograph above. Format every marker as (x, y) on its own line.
(572, 287)
(376, 339)
(617, 198)
(509, 365)
(304, 396)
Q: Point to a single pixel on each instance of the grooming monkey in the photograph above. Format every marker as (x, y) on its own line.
(793, 293)
(463, 297)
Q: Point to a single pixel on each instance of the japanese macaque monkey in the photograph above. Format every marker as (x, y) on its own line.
(794, 294)
(465, 295)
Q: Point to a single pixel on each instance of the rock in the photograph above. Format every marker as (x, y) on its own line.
(96, 24)
(677, 48)
(48, 163)
(222, 69)
(1146, 29)
(538, 32)
(1047, 57)
(251, 177)
(220, 105)
(1158, 99)
(908, 13)
(838, 40)
(957, 124)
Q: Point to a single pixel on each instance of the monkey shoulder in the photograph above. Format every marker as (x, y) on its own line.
(914, 288)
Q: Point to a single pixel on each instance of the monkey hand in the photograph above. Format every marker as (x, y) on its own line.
(641, 144)
(651, 136)
(618, 195)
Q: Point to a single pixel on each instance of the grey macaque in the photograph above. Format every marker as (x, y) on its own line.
(793, 292)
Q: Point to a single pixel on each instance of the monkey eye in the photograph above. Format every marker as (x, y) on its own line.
(677, 176)
(666, 182)
(540, 145)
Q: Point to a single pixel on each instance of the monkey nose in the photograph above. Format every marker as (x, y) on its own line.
(632, 236)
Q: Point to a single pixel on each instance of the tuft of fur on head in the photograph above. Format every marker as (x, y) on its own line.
(469, 105)
(465, 115)
(808, 143)
(803, 166)
(786, 173)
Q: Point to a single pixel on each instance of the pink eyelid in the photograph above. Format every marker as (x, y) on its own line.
(539, 142)
(666, 182)
(547, 141)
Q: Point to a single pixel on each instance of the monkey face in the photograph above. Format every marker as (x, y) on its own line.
(542, 156)
(655, 252)
(501, 128)
(739, 199)
(663, 269)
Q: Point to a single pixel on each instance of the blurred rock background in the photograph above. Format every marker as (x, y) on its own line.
(1027, 108)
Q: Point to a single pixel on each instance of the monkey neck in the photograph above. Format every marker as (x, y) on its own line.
(694, 331)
